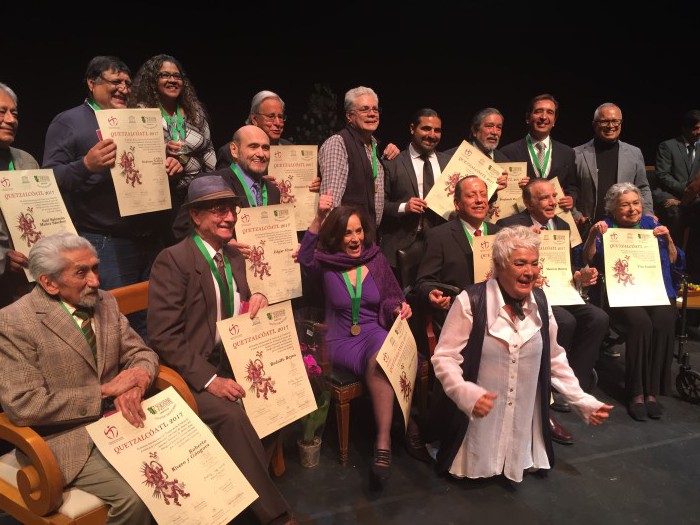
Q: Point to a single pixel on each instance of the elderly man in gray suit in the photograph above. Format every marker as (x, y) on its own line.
(605, 160)
(64, 350)
(194, 284)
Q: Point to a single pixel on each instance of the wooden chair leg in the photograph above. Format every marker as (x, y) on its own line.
(277, 463)
(342, 416)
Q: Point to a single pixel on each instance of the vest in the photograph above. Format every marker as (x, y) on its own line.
(449, 423)
(359, 190)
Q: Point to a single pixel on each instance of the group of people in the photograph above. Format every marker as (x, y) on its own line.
(501, 352)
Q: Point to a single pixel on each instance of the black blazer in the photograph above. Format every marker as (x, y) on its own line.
(398, 231)
(563, 164)
(523, 219)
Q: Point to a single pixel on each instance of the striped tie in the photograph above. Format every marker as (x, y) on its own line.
(85, 315)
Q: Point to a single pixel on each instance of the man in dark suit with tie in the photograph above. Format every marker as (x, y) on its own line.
(194, 284)
(485, 131)
(407, 180)
(677, 159)
(546, 158)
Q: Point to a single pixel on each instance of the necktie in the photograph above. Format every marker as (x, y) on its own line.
(540, 153)
(219, 260)
(477, 233)
(258, 193)
(428, 177)
(544, 227)
(85, 315)
(691, 151)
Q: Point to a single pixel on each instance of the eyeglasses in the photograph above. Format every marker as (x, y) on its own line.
(270, 117)
(366, 110)
(222, 210)
(117, 83)
(164, 75)
(612, 123)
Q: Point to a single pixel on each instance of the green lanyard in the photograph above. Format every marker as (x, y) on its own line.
(469, 235)
(355, 298)
(177, 132)
(11, 166)
(226, 295)
(375, 169)
(93, 105)
(76, 322)
(246, 189)
(541, 169)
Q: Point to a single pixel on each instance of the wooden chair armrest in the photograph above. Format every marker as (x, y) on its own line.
(40, 483)
(169, 377)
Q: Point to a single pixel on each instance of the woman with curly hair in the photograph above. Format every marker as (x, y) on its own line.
(161, 82)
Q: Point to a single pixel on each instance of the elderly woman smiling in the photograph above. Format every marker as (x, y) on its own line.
(650, 332)
(496, 361)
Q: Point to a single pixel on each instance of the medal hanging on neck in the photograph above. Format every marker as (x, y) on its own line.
(484, 229)
(541, 170)
(355, 298)
(251, 200)
(375, 168)
(226, 295)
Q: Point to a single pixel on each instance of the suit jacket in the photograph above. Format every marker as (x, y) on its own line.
(630, 168)
(182, 225)
(524, 219)
(448, 258)
(562, 159)
(182, 309)
(400, 184)
(673, 170)
(49, 379)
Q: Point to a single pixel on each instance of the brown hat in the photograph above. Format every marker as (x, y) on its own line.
(208, 188)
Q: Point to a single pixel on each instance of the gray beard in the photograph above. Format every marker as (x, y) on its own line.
(87, 299)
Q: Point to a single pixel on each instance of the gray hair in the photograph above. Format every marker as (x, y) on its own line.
(604, 105)
(510, 239)
(7, 89)
(353, 94)
(616, 191)
(47, 256)
(258, 99)
(481, 115)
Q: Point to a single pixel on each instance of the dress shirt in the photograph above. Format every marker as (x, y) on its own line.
(548, 146)
(509, 439)
(471, 229)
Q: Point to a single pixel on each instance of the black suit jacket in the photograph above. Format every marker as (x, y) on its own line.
(523, 219)
(400, 184)
(563, 163)
(183, 226)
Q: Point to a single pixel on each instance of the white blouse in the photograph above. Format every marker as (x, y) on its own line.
(509, 439)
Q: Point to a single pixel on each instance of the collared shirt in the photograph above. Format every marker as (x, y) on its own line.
(333, 167)
(418, 164)
(547, 146)
(471, 229)
(509, 440)
(71, 309)
(250, 181)
(549, 225)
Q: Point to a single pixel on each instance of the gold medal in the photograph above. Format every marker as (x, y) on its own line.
(355, 329)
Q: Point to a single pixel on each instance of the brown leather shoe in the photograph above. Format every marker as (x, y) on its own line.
(559, 433)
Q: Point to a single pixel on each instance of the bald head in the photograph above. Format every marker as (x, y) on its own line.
(250, 149)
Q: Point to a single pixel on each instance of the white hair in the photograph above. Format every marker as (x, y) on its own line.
(7, 89)
(355, 93)
(616, 191)
(258, 99)
(47, 256)
(510, 239)
(604, 105)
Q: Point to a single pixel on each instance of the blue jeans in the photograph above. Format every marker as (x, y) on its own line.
(125, 261)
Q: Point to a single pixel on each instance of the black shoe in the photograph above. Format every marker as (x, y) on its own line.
(638, 411)
(415, 446)
(381, 464)
(559, 404)
(654, 410)
(609, 351)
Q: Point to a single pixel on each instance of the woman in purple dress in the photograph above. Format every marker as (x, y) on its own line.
(362, 300)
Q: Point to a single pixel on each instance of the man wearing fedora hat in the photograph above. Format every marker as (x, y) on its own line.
(194, 284)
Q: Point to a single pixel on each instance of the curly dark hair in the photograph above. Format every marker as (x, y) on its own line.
(144, 91)
(332, 232)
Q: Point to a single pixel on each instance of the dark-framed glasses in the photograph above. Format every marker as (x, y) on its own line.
(613, 123)
(166, 75)
(117, 83)
(221, 210)
(366, 110)
(270, 117)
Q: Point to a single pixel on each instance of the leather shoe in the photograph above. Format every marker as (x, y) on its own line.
(415, 446)
(638, 411)
(559, 433)
(654, 410)
(559, 404)
(381, 464)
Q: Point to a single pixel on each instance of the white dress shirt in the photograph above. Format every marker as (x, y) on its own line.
(547, 147)
(418, 168)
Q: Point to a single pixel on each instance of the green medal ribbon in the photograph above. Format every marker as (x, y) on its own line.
(355, 298)
(375, 169)
(93, 105)
(227, 296)
(76, 322)
(541, 169)
(246, 189)
(178, 131)
(11, 167)
(469, 235)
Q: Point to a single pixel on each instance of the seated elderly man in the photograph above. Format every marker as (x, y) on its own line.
(64, 351)
(194, 284)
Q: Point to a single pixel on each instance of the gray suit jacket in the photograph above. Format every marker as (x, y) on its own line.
(400, 184)
(22, 161)
(630, 168)
(673, 170)
(182, 309)
(49, 379)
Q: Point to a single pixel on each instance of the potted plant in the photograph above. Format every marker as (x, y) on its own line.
(313, 423)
